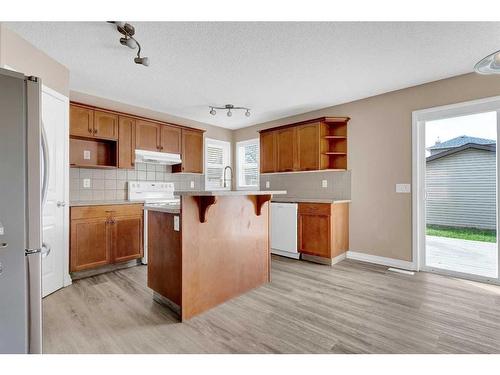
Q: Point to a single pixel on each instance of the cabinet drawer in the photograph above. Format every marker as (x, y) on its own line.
(315, 209)
(115, 210)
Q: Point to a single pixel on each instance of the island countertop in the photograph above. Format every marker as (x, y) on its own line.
(214, 193)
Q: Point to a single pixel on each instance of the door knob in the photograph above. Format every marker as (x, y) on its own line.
(45, 250)
(61, 204)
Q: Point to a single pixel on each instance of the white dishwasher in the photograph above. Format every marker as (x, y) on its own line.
(284, 229)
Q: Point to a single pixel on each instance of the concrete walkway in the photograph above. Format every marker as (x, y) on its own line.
(473, 257)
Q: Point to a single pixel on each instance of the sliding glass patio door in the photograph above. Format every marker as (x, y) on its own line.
(456, 190)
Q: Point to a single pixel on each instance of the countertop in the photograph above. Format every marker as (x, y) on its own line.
(102, 202)
(211, 193)
(309, 200)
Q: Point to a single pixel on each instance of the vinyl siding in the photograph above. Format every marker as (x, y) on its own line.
(461, 189)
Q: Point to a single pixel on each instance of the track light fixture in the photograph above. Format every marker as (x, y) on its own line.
(128, 31)
(229, 108)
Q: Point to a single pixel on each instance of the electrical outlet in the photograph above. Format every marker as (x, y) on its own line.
(86, 154)
(403, 188)
(268, 184)
(192, 184)
(86, 183)
(324, 183)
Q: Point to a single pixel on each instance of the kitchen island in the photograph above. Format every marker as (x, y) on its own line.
(214, 248)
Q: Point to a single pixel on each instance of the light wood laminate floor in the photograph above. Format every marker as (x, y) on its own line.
(352, 307)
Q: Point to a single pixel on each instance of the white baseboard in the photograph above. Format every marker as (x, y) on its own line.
(391, 262)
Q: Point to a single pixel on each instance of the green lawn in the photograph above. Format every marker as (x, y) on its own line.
(462, 233)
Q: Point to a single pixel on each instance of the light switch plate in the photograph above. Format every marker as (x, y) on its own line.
(176, 223)
(268, 184)
(86, 183)
(2, 232)
(86, 154)
(403, 188)
(324, 183)
(192, 184)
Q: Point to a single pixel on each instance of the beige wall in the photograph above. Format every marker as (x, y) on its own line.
(211, 131)
(379, 155)
(18, 54)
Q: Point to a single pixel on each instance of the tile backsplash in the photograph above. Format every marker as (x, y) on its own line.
(310, 184)
(111, 184)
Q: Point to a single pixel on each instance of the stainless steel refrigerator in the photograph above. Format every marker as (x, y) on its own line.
(22, 179)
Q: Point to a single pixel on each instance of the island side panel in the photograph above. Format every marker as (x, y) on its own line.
(164, 256)
(224, 257)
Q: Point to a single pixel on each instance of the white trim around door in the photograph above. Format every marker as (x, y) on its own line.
(419, 118)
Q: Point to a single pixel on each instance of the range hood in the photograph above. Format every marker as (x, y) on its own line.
(152, 157)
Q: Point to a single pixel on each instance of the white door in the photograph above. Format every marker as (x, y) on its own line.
(54, 119)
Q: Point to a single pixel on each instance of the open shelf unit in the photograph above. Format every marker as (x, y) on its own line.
(103, 153)
(333, 143)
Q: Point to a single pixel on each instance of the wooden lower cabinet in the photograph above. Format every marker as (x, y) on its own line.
(90, 244)
(323, 229)
(102, 235)
(127, 235)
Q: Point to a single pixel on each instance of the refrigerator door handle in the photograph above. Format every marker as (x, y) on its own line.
(34, 275)
(46, 166)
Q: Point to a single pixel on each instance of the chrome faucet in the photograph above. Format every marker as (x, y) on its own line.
(226, 179)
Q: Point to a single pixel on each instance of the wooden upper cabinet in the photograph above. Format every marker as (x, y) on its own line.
(81, 123)
(170, 137)
(192, 151)
(105, 125)
(268, 152)
(308, 142)
(126, 142)
(127, 238)
(147, 135)
(286, 154)
(310, 145)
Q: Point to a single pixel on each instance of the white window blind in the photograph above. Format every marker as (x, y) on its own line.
(217, 157)
(247, 153)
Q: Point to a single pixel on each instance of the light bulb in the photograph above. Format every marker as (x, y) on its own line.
(129, 42)
(142, 60)
(247, 113)
(212, 112)
(229, 113)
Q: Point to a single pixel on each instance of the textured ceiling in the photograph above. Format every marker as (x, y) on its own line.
(277, 69)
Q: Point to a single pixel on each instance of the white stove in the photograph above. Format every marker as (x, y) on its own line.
(153, 194)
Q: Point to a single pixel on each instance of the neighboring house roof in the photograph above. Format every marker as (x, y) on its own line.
(460, 141)
(485, 147)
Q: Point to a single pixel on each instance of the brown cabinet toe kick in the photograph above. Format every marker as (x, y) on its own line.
(323, 232)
